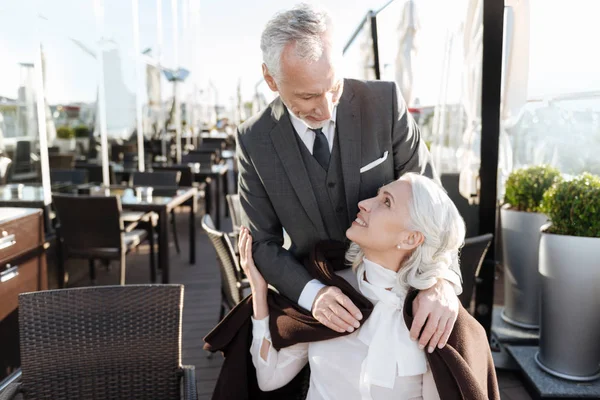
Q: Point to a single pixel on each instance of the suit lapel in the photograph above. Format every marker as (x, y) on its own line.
(286, 146)
(348, 123)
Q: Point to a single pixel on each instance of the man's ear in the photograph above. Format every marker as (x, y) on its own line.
(269, 78)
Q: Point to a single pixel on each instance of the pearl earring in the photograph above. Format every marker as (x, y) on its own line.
(399, 246)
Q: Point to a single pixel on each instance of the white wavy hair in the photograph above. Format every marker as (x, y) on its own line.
(305, 25)
(434, 215)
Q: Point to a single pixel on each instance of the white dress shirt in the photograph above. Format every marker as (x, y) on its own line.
(378, 361)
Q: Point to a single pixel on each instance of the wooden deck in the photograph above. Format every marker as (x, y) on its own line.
(202, 300)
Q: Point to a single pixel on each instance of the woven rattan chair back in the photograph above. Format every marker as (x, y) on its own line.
(471, 258)
(108, 342)
(89, 222)
(230, 275)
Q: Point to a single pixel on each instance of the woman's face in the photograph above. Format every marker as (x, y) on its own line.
(382, 222)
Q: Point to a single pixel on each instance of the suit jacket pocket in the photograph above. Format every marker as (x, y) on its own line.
(375, 163)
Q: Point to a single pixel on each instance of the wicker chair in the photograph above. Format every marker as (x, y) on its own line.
(233, 286)
(110, 342)
(471, 258)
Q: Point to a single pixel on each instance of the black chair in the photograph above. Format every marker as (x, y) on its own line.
(94, 172)
(61, 161)
(233, 286)
(111, 342)
(186, 174)
(23, 168)
(22, 161)
(73, 176)
(91, 228)
(118, 151)
(471, 258)
(206, 160)
(165, 181)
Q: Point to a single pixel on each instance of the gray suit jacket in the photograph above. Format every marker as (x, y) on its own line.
(275, 189)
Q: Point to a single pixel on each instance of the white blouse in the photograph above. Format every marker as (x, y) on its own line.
(377, 361)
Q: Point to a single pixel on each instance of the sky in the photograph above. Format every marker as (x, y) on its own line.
(226, 46)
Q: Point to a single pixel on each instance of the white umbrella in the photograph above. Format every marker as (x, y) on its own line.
(407, 29)
(468, 154)
(515, 76)
(515, 79)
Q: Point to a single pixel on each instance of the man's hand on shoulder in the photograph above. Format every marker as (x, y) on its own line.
(436, 309)
(335, 310)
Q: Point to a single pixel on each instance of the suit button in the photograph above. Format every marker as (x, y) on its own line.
(339, 209)
(331, 184)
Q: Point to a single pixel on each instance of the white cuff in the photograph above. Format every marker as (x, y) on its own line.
(260, 328)
(310, 291)
(452, 277)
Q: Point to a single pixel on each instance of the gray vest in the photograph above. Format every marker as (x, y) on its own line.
(328, 187)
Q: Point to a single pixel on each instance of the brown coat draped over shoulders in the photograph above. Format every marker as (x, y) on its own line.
(462, 370)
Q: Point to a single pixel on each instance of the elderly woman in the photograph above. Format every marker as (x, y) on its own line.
(402, 241)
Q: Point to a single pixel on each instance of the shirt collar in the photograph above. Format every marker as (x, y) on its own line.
(301, 127)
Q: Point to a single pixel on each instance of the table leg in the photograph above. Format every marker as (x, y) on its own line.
(163, 244)
(193, 211)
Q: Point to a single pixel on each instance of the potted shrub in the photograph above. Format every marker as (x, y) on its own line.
(82, 137)
(65, 139)
(570, 274)
(521, 223)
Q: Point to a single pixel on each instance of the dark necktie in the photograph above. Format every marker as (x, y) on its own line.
(321, 148)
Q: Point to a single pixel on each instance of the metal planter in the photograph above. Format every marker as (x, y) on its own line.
(520, 245)
(569, 320)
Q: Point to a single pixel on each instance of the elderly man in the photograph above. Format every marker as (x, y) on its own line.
(318, 149)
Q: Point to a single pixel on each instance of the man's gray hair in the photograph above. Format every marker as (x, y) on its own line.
(304, 25)
(433, 214)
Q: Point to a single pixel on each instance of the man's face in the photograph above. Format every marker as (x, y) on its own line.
(309, 89)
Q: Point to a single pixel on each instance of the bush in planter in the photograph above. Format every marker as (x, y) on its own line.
(82, 132)
(525, 187)
(574, 206)
(65, 132)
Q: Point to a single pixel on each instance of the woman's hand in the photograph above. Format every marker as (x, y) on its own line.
(257, 282)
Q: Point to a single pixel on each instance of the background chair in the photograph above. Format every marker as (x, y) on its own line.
(206, 160)
(471, 258)
(73, 176)
(99, 234)
(111, 342)
(95, 173)
(186, 175)
(233, 286)
(166, 179)
(61, 161)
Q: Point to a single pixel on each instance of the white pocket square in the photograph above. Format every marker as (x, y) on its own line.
(375, 163)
